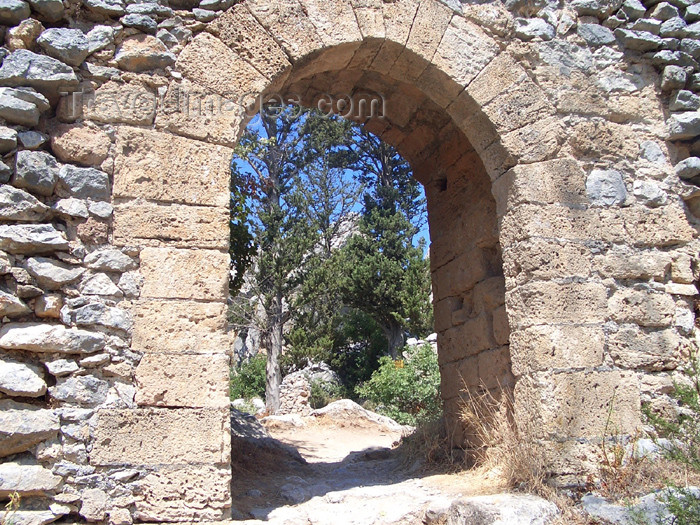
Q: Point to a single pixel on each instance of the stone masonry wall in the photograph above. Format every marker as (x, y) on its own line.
(557, 144)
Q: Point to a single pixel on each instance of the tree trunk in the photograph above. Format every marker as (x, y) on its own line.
(394, 335)
(273, 375)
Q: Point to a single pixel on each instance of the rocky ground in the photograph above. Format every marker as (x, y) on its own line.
(340, 465)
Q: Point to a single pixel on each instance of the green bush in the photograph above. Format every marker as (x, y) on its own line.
(408, 391)
(324, 392)
(248, 380)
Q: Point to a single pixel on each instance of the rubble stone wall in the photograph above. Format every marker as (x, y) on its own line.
(557, 144)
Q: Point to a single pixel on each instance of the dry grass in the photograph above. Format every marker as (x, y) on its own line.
(10, 509)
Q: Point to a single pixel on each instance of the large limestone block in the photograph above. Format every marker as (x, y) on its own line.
(549, 347)
(427, 30)
(544, 302)
(553, 181)
(541, 259)
(150, 224)
(160, 436)
(121, 103)
(26, 479)
(335, 22)
(179, 327)
(578, 404)
(171, 273)
(464, 51)
(502, 74)
(189, 110)
(398, 19)
(625, 263)
(23, 426)
(637, 349)
(287, 20)
(163, 167)
(239, 30)
(370, 18)
(38, 337)
(184, 494)
(467, 339)
(644, 307)
(211, 64)
(462, 273)
(183, 380)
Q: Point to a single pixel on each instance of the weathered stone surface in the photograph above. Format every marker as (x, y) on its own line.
(8, 139)
(67, 45)
(15, 110)
(51, 10)
(110, 260)
(684, 125)
(514, 509)
(81, 390)
(37, 337)
(595, 34)
(30, 239)
(142, 53)
(633, 348)
(100, 37)
(80, 144)
(83, 183)
(12, 306)
(12, 12)
(32, 139)
(36, 171)
(94, 504)
(183, 380)
(184, 274)
(163, 167)
(688, 168)
(547, 302)
(147, 224)
(161, 436)
(105, 7)
(46, 74)
(638, 40)
(606, 188)
(115, 103)
(71, 208)
(141, 22)
(187, 327)
(62, 367)
(21, 379)
(644, 307)
(99, 284)
(577, 404)
(99, 314)
(51, 274)
(545, 347)
(529, 28)
(23, 426)
(26, 479)
(48, 306)
(18, 205)
(232, 76)
(208, 498)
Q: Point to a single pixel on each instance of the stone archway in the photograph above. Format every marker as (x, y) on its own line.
(562, 255)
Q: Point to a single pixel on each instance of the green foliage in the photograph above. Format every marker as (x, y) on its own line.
(408, 390)
(248, 380)
(324, 392)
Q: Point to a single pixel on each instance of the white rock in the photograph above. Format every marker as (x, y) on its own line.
(20, 379)
(110, 260)
(39, 337)
(26, 479)
(62, 367)
(52, 274)
(99, 284)
(23, 426)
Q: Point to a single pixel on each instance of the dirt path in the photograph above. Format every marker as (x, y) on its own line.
(351, 476)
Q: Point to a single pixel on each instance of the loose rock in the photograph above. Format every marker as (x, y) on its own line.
(18, 205)
(12, 12)
(46, 74)
(30, 239)
(36, 171)
(83, 183)
(51, 10)
(20, 379)
(67, 45)
(26, 479)
(39, 337)
(12, 306)
(51, 274)
(23, 426)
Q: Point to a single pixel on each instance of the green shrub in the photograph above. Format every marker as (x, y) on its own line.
(408, 391)
(248, 380)
(324, 392)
